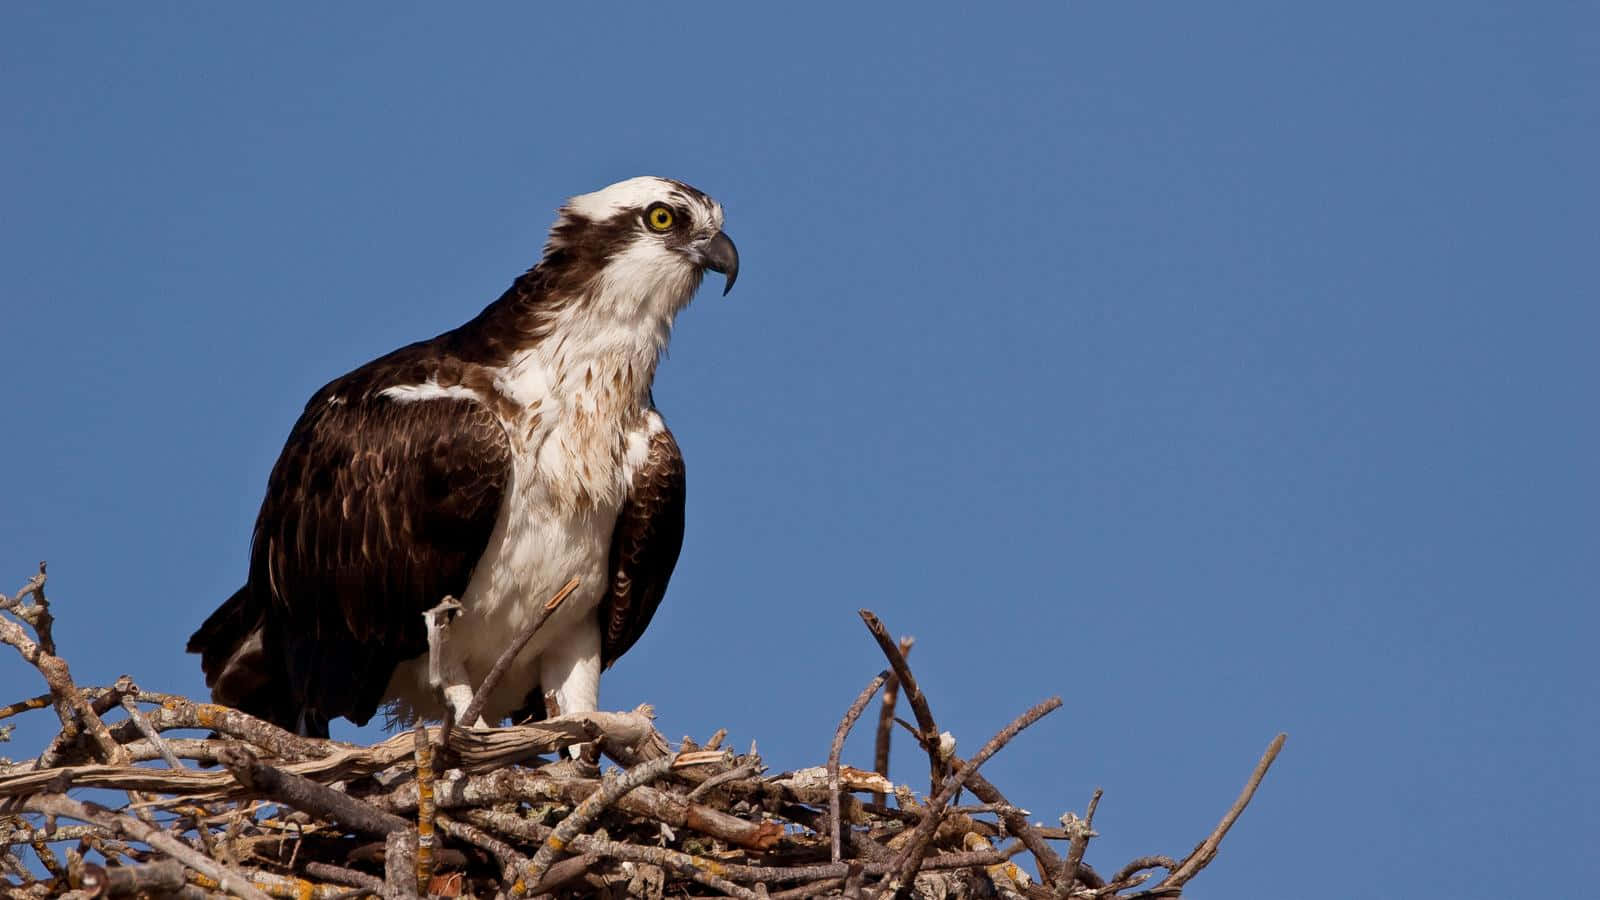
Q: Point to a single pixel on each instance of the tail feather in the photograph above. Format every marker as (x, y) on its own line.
(239, 669)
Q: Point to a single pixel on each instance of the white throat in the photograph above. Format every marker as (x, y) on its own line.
(584, 389)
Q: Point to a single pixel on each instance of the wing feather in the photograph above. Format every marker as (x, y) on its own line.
(644, 547)
(375, 511)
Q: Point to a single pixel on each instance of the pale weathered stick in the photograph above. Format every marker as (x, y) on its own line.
(744, 770)
(94, 814)
(498, 671)
(611, 790)
(400, 866)
(180, 712)
(151, 735)
(151, 879)
(71, 707)
(34, 586)
(513, 824)
(1081, 831)
(307, 795)
(666, 807)
(479, 749)
(101, 701)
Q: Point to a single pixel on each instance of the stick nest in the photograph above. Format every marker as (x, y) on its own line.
(254, 811)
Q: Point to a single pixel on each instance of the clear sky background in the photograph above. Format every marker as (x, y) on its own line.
(1225, 368)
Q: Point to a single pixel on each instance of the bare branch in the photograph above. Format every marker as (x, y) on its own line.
(839, 734)
(226, 879)
(880, 744)
(1206, 851)
(305, 794)
(928, 729)
(1081, 832)
(71, 707)
(611, 791)
(153, 736)
(911, 857)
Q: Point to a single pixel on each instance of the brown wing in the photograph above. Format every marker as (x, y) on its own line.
(375, 511)
(644, 547)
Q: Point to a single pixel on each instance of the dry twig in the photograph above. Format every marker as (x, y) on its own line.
(1206, 851)
(911, 857)
(880, 744)
(1081, 831)
(610, 792)
(839, 734)
(928, 729)
(94, 814)
(498, 671)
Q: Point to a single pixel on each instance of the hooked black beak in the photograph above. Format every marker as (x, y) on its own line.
(719, 255)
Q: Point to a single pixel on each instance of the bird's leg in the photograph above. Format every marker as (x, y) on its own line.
(457, 697)
(570, 671)
(446, 673)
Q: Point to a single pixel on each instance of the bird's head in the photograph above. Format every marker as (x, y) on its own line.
(641, 244)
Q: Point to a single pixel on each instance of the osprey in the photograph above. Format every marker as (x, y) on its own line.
(492, 463)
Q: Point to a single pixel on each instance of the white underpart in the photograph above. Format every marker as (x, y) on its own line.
(554, 525)
(582, 434)
(541, 540)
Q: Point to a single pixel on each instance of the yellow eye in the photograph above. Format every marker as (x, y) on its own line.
(659, 218)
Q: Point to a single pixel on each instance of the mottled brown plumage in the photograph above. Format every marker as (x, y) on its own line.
(644, 547)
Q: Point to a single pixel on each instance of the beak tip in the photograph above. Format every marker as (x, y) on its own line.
(722, 256)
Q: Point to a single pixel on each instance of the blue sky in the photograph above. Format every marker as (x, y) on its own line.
(1224, 369)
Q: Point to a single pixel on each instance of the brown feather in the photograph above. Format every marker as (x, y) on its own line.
(644, 547)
